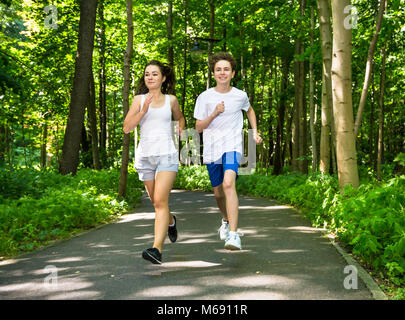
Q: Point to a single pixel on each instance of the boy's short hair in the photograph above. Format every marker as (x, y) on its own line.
(222, 56)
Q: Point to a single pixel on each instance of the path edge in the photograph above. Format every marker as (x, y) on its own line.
(375, 290)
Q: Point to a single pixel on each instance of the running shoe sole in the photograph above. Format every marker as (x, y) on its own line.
(150, 258)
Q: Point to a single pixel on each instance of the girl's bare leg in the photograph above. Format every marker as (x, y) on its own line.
(163, 185)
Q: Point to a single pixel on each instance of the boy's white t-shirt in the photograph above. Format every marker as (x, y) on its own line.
(224, 134)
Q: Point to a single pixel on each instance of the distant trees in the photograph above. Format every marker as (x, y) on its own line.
(284, 64)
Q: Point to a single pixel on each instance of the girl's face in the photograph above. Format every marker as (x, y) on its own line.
(153, 77)
(223, 73)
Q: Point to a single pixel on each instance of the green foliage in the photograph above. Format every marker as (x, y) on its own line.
(400, 158)
(369, 220)
(193, 178)
(39, 206)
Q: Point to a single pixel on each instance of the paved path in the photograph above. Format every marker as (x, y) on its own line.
(283, 257)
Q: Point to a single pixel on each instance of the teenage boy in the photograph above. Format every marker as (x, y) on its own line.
(218, 113)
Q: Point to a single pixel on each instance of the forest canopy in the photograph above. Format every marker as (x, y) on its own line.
(271, 40)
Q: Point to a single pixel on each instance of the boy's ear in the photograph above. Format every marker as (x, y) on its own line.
(233, 73)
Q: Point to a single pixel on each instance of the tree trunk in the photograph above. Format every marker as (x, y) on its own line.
(326, 110)
(211, 44)
(3, 143)
(369, 66)
(23, 140)
(299, 161)
(103, 84)
(342, 97)
(295, 122)
(252, 91)
(371, 128)
(170, 53)
(241, 19)
(114, 144)
(381, 115)
(287, 149)
(92, 119)
(43, 144)
(278, 163)
(125, 94)
(325, 131)
(273, 69)
(311, 98)
(80, 92)
(57, 153)
(183, 95)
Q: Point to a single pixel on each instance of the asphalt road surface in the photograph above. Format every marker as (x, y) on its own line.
(283, 258)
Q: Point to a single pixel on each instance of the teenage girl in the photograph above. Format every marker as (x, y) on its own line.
(156, 157)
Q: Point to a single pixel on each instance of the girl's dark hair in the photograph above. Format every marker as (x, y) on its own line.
(168, 86)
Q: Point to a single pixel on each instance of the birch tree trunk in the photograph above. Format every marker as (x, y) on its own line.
(326, 109)
(342, 96)
(125, 94)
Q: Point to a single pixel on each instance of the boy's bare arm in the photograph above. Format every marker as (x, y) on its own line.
(252, 120)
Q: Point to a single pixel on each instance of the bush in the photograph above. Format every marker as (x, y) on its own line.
(38, 206)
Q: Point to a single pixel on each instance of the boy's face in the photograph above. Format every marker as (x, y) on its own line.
(223, 73)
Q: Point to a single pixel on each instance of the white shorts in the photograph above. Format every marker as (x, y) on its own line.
(147, 167)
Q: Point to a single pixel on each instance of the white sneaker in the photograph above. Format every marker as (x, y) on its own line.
(224, 230)
(233, 241)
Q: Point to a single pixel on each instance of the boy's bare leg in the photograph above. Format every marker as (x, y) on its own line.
(232, 202)
(221, 201)
(163, 185)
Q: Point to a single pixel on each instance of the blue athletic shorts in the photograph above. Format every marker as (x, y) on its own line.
(216, 170)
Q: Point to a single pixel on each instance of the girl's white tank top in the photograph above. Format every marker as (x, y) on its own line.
(156, 133)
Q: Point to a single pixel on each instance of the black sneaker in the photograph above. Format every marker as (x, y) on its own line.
(153, 255)
(172, 232)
